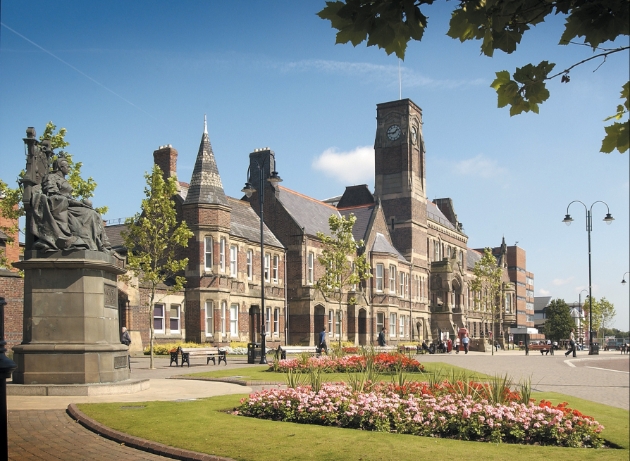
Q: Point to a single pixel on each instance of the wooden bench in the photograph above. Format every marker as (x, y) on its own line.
(209, 352)
(543, 348)
(410, 348)
(284, 350)
(385, 348)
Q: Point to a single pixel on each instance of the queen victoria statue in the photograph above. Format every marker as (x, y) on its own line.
(59, 221)
(71, 308)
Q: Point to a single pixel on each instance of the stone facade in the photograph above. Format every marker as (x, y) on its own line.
(417, 249)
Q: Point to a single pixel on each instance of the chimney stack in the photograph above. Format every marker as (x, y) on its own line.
(166, 158)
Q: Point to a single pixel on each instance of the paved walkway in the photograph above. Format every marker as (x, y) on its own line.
(600, 378)
(40, 429)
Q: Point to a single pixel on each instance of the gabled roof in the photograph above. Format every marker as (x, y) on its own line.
(245, 223)
(381, 245)
(434, 214)
(205, 183)
(309, 213)
(363, 214)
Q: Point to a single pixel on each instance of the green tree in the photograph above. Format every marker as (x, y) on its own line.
(558, 323)
(487, 284)
(603, 313)
(499, 25)
(344, 260)
(153, 239)
(11, 207)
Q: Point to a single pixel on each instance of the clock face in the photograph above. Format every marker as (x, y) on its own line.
(394, 132)
(414, 135)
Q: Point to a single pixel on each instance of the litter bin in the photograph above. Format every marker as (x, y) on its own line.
(253, 352)
(595, 349)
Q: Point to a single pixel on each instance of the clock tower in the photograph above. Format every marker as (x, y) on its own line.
(400, 180)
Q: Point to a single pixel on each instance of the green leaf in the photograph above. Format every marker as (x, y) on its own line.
(617, 137)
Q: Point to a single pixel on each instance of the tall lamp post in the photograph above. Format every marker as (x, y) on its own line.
(264, 159)
(623, 280)
(589, 227)
(581, 311)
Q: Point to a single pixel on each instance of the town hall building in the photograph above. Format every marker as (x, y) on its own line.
(417, 250)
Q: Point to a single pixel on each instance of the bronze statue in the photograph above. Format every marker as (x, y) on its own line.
(55, 219)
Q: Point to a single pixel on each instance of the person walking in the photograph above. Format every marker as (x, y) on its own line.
(457, 344)
(322, 341)
(571, 344)
(466, 341)
(381, 338)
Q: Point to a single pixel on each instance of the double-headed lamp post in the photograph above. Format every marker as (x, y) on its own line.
(263, 159)
(581, 312)
(589, 227)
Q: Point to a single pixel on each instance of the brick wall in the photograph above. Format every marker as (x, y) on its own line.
(12, 290)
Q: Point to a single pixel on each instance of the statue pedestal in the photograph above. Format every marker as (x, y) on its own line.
(71, 327)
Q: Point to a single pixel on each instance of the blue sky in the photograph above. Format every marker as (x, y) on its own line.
(126, 77)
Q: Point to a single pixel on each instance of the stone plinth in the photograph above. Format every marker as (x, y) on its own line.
(71, 327)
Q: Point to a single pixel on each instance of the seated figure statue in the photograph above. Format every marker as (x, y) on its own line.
(60, 222)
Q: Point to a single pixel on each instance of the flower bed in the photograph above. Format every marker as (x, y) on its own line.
(431, 411)
(383, 362)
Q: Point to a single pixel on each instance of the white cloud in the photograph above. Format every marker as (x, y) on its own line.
(543, 292)
(560, 282)
(350, 168)
(480, 166)
(373, 72)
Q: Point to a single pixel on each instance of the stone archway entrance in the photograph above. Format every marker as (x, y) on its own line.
(362, 327)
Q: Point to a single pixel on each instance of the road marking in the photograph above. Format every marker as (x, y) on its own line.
(607, 369)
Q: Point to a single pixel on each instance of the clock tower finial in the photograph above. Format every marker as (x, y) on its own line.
(205, 125)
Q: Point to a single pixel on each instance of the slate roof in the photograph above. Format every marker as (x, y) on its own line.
(245, 223)
(472, 256)
(363, 215)
(114, 237)
(541, 303)
(205, 183)
(309, 213)
(381, 245)
(355, 196)
(434, 214)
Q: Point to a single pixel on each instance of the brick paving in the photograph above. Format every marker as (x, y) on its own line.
(42, 435)
(51, 434)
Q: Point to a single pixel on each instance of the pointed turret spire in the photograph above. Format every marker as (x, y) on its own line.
(205, 183)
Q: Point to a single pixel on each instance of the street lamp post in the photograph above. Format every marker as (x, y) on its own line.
(623, 280)
(264, 158)
(581, 329)
(589, 227)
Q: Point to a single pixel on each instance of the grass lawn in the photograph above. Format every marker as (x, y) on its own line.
(204, 426)
(261, 373)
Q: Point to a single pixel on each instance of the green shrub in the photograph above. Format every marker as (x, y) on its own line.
(166, 348)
